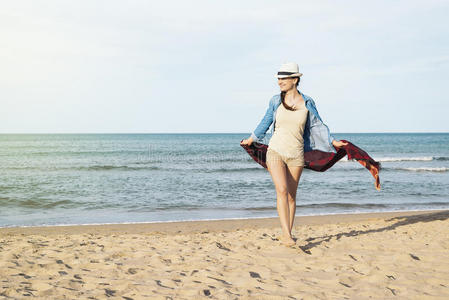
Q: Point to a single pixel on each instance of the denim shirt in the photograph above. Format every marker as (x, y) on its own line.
(316, 134)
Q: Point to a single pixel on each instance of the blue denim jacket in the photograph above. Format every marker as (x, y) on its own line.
(316, 133)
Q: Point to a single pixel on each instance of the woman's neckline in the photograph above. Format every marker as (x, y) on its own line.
(299, 106)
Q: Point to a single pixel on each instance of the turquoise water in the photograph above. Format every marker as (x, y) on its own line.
(55, 179)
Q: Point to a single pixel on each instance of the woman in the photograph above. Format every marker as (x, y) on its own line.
(299, 128)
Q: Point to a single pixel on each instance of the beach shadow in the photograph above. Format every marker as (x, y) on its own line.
(402, 221)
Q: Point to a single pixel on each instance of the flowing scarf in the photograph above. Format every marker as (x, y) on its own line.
(321, 161)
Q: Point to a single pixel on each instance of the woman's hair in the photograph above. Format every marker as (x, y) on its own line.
(283, 96)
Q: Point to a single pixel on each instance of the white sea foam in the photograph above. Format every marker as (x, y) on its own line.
(417, 158)
(394, 159)
(425, 169)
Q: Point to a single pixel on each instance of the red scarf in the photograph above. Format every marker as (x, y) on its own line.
(321, 161)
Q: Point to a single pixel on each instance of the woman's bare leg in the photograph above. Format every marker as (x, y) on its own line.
(277, 169)
(293, 175)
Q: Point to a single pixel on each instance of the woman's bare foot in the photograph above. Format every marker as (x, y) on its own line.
(287, 241)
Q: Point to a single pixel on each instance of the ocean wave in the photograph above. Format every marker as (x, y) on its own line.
(224, 170)
(206, 169)
(412, 158)
(260, 208)
(83, 168)
(424, 204)
(326, 205)
(142, 167)
(36, 203)
(441, 158)
(393, 159)
(336, 205)
(77, 153)
(424, 169)
(194, 159)
(114, 168)
(404, 158)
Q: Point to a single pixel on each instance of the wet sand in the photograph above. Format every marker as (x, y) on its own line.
(401, 255)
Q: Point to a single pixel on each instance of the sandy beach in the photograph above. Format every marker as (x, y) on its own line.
(401, 255)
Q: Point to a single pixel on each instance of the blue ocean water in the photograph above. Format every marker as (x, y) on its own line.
(56, 179)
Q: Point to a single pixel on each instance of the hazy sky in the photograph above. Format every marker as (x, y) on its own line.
(209, 66)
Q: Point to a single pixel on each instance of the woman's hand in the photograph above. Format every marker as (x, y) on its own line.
(338, 144)
(247, 141)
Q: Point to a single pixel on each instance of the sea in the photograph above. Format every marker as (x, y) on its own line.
(68, 179)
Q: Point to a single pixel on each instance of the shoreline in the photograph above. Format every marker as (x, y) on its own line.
(192, 226)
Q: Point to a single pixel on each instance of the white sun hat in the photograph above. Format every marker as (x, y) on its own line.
(289, 69)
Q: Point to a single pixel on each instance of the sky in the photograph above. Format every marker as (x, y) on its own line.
(209, 66)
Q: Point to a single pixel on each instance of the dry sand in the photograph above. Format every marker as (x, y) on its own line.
(361, 256)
